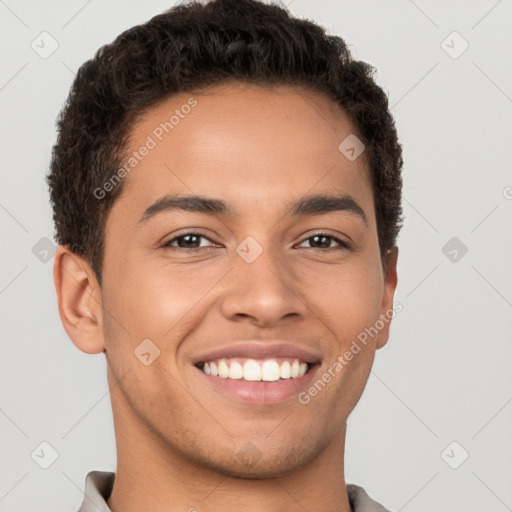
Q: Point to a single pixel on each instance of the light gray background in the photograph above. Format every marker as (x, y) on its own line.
(445, 374)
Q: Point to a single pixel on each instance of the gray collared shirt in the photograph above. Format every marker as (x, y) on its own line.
(98, 486)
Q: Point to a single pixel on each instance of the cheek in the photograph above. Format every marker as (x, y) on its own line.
(347, 298)
(364, 289)
(360, 299)
(159, 301)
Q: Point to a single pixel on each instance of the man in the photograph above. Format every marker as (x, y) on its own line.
(226, 187)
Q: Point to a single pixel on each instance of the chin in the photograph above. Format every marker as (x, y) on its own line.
(253, 463)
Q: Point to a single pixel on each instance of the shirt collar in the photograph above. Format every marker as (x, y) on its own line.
(98, 486)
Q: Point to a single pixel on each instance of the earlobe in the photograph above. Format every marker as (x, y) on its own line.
(79, 301)
(390, 283)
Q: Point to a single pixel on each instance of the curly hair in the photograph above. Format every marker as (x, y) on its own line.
(193, 46)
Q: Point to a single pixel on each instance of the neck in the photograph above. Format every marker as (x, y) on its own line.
(151, 475)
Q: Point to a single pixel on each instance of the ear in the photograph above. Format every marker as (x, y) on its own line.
(79, 300)
(387, 311)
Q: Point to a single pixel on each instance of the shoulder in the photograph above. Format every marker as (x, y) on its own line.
(360, 501)
(98, 486)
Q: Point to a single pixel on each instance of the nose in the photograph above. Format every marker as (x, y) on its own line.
(262, 292)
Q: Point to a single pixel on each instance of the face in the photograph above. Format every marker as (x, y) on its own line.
(257, 279)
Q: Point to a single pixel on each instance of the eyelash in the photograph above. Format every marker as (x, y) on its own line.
(342, 244)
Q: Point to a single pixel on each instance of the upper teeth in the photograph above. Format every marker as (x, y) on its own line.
(256, 370)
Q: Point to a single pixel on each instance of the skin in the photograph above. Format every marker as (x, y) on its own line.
(179, 442)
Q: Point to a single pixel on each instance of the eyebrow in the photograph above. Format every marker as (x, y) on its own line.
(308, 205)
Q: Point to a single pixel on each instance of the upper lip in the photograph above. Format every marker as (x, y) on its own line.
(261, 350)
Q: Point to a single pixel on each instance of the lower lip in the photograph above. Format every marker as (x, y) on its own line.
(260, 392)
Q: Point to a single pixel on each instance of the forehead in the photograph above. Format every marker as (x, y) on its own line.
(245, 143)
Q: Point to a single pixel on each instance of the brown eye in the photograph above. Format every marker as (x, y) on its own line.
(186, 241)
(322, 241)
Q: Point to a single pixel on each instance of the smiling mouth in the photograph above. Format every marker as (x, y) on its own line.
(255, 370)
